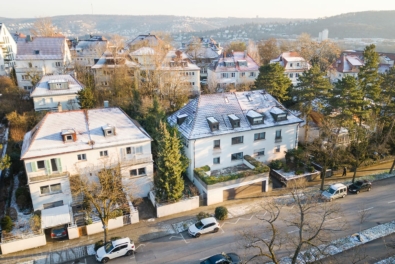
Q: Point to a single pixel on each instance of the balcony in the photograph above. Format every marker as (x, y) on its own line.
(278, 139)
(42, 176)
(137, 159)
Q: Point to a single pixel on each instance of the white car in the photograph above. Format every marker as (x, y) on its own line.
(204, 226)
(114, 249)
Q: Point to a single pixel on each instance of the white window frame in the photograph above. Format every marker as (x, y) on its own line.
(259, 152)
(81, 157)
(217, 160)
(138, 174)
(50, 189)
(104, 153)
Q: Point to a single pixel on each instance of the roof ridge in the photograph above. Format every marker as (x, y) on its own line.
(195, 115)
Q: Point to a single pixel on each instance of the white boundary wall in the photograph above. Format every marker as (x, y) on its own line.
(175, 208)
(73, 232)
(97, 227)
(23, 244)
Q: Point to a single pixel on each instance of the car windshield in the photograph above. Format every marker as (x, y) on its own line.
(358, 183)
(58, 230)
(199, 225)
(331, 191)
(108, 247)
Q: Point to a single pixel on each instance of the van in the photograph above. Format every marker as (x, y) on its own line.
(335, 191)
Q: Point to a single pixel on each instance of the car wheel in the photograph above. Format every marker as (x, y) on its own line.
(357, 192)
(197, 235)
(369, 189)
(129, 253)
(343, 196)
(216, 230)
(105, 260)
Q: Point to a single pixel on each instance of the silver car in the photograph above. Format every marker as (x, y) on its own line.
(204, 226)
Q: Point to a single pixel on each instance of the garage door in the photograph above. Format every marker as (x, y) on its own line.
(244, 191)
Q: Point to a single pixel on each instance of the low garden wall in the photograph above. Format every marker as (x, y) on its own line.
(23, 244)
(97, 227)
(174, 208)
(73, 232)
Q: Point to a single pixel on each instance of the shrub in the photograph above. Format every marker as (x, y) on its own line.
(276, 164)
(6, 223)
(221, 213)
(202, 215)
(310, 168)
(286, 168)
(35, 222)
(299, 172)
(259, 166)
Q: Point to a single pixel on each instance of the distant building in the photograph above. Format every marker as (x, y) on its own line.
(41, 56)
(322, 36)
(231, 70)
(143, 41)
(8, 50)
(56, 92)
(88, 52)
(294, 65)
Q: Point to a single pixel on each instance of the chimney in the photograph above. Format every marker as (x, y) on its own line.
(28, 38)
(105, 104)
(59, 107)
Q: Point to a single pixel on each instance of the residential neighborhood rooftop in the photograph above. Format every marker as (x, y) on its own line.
(39, 48)
(42, 88)
(235, 61)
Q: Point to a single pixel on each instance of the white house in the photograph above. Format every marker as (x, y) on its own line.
(41, 56)
(146, 57)
(294, 65)
(88, 52)
(232, 69)
(7, 50)
(218, 130)
(143, 41)
(56, 90)
(81, 142)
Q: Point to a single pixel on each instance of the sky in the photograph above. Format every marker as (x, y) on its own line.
(195, 8)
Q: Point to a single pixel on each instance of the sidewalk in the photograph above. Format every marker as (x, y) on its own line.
(153, 228)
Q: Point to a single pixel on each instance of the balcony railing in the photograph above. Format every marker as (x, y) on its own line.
(137, 159)
(45, 177)
(278, 139)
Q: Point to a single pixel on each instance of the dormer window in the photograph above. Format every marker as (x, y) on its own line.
(278, 114)
(181, 119)
(213, 123)
(109, 131)
(69, 135)
(234, 120)
(254, 118)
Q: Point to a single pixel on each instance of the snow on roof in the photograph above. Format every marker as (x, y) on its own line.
(212, 119)
(48, 47)
(55, 216)
(143, 51)
(171, 55)
(275, 110)
(107, 60)
(354, 61)
(42, 88)
(233, 117)
(253, 114)
(236, 56)
(214, 105)
(45, 139)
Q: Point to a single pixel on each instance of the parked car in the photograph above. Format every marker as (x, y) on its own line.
(114, 249)
(223, 258)
(360, 186)
(204, 226)
(335, 191)
(59, 232)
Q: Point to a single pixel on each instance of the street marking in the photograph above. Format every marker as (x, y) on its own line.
(392, 202)
(335, 218)
(293, 231)
(237, 221)
(139, 246)
(365, 209)
(182, 237)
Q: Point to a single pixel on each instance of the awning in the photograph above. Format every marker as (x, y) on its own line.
(55, 216)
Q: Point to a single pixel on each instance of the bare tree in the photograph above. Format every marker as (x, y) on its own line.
(268, 50)
(310, 219)
(43, 27)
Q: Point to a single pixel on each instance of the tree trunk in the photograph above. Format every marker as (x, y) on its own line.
(105, 227)
(392, 167)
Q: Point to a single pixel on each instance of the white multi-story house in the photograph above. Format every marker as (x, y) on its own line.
(144, 41)
(231, 70)
(104, 69)
(294, 65)
(8, 50)
(41, 56)
(88, 52)
(202, 52)
(146, 57)
(54, 91)
(178, 69)
(218, 130)
(82, 142)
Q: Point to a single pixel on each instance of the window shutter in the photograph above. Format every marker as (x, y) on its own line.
(48, 167)
(59, 165)
(133, 150)
(33, 166)
(123, 153)
(29, 167)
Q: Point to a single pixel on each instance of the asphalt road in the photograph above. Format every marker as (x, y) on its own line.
(360, 211)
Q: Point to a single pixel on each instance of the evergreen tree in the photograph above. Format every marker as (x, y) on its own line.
(271, 78)
(86, 98)
(311, 92)
(134, 108)
(171, 163)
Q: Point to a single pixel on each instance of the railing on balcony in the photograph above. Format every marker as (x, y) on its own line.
(278, 139)
(45, 177)
(137, 159)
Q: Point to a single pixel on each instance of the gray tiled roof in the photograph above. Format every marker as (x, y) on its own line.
(49, 47)
(220, 106)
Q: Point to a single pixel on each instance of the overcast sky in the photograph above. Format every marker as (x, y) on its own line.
(196, 8)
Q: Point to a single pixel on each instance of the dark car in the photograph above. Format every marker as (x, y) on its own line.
(223, 258)
(59, 232)
(360, 186)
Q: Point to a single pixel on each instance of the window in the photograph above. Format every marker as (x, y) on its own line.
(252, 74)
(259, 152)
(296, 74)
(30, 65)
(237, 140)
(103, 153)
(237, 156)
(81, 156)
(278, 136)
(233, 74)
(259, 136)
(128, 150)
(216, 160)
(44, 189)
(137, 172)
(291, 75)
(25, 77)
(243, 74)
(217, 143)
(290, 65)
(51, 189)
(36, 52)
(224, 75)
(69, 138)
(40, 164)
(298, 64)
(278, 148)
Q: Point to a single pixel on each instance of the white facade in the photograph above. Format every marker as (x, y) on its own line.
(41, 56)
(8, 51)
(53, 90)
(50, 161)
(294, 65)
(87, 52)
